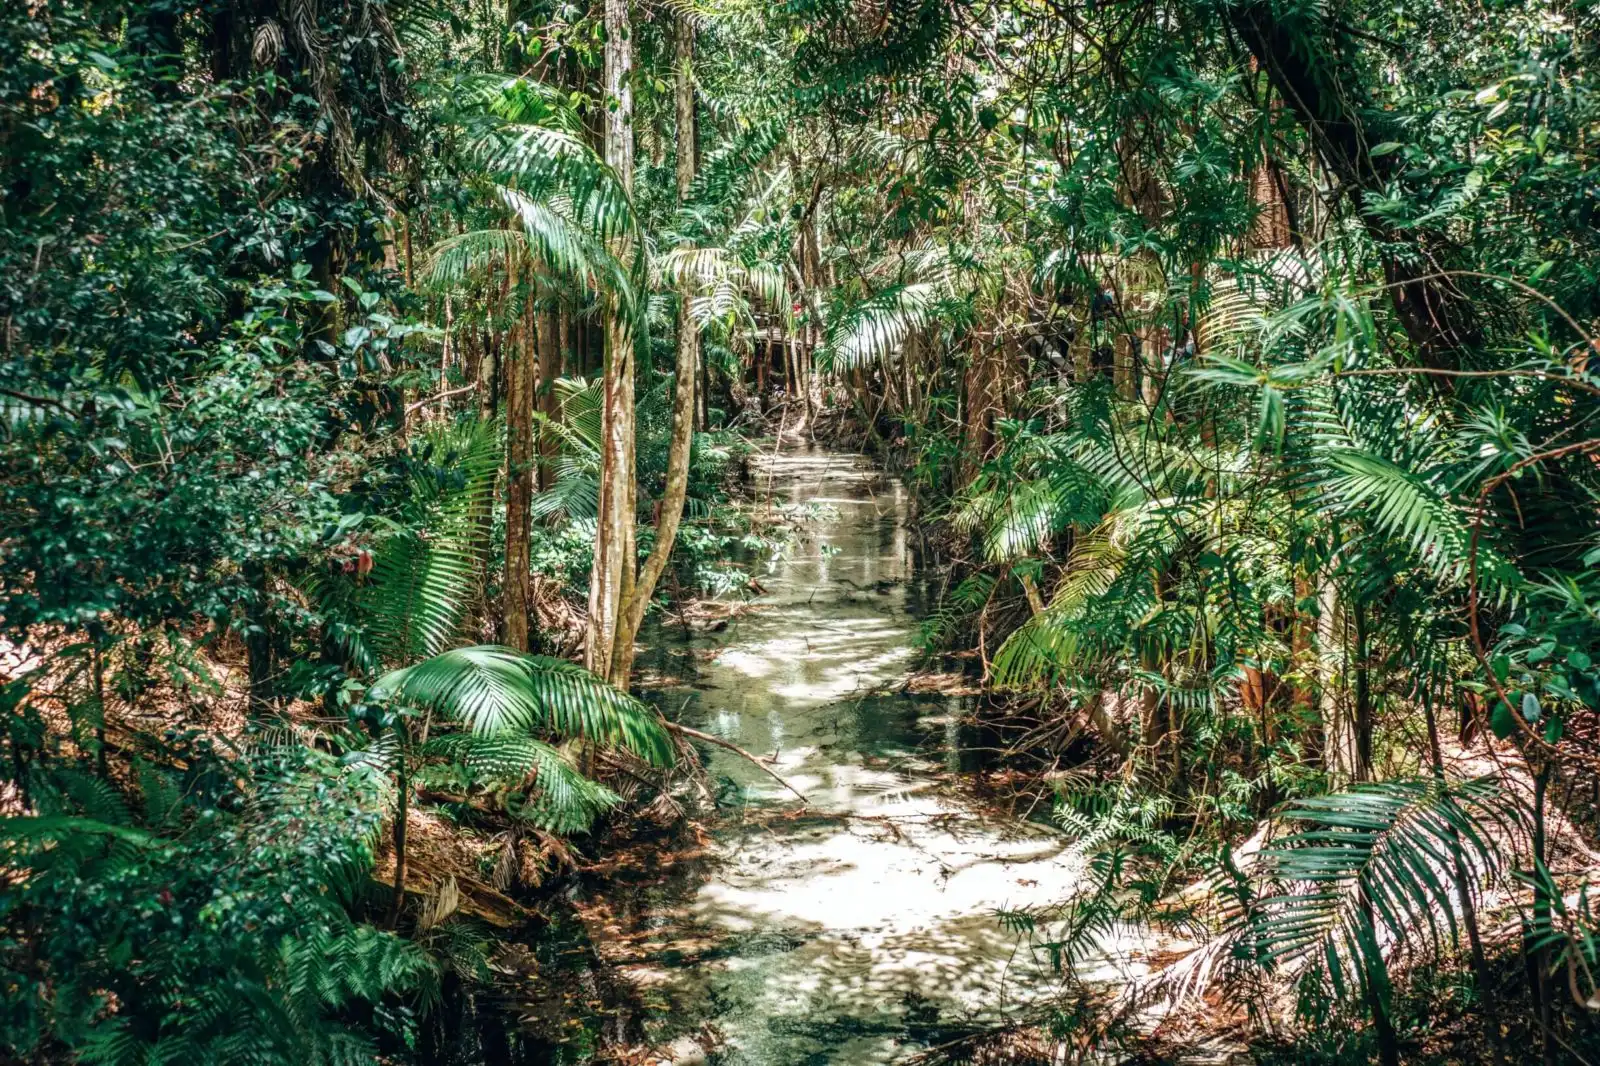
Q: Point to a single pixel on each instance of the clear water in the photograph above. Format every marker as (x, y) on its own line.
(864, 927)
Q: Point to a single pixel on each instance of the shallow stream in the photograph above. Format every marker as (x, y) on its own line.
(860, 927)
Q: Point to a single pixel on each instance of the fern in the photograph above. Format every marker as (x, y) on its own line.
(219, 933)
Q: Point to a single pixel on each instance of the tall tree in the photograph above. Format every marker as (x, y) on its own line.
(615, 565)
(683, 396)
(520, 460)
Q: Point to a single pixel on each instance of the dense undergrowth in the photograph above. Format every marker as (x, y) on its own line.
(369, 363)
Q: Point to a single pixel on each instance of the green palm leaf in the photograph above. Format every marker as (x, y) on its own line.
(495, 690)
(1408, 508)
(565, 800)
(426, 567)
(455, 260)
(874, 329)
(543, 162)
(1377, 858)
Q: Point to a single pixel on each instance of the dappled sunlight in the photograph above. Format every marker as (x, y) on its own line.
(884, 893)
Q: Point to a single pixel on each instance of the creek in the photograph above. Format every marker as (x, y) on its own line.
(860, 927)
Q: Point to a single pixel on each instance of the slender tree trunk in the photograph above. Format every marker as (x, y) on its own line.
(1110, 733)
(611, 580)
(1469, 909)
(703, 393)
(1122, 375)
(1363, 695)
(402, 815)
(811, 337)
(791, 367)
(444, 358)
(983, 388)
(678, 452)
(1339, 755)
(1375, 987)
(514, 592)
(552, 348)
(1539, 958)
(488, 377)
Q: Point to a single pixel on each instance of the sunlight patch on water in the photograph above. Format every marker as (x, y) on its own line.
(876, 907)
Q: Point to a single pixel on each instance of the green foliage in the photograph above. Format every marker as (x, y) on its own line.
(218, 930)
(494, 691)
(1239, 354)
(1367, 873)
(565, 801)
(408, 611)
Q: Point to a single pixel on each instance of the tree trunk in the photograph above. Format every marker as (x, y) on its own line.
(1106, 725)
(1376, 990)
(514, 591)
(1539, 957)
(1306, 58)
(611, 580)
(1464, 897)
(552, 358)
(703, 393)
(258, 643)
(683, 390)
(1339, 755)
(402, 815)
(983, 387)
(488, 377)
(1363, 695)
(1122, 375)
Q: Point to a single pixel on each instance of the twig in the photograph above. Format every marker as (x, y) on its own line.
(37, 401)
(441, 396)
(728, 744)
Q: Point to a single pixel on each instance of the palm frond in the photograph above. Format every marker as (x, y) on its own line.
(495, 690)
(544, 162)
(563, 800)
(1372, 867)
(1407, 508)
(875, 329)
(455, 261)
(563, 245)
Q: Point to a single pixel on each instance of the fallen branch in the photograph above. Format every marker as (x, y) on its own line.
(695, 734)
(445, 395)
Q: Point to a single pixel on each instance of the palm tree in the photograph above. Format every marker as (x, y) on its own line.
(562, 212)
(497, 712)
